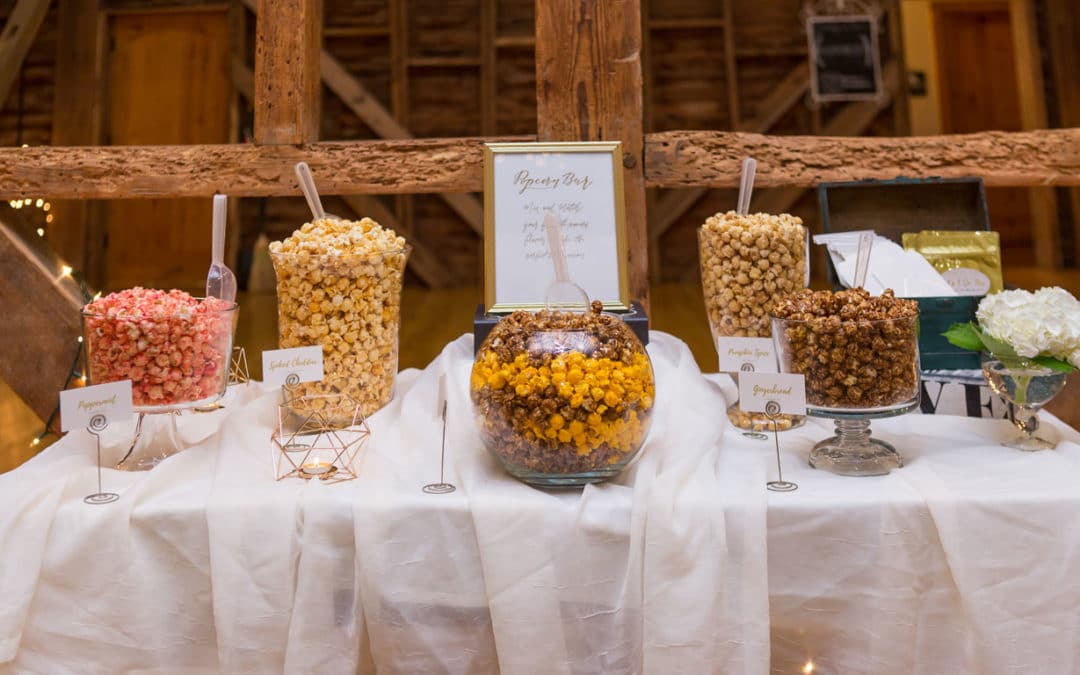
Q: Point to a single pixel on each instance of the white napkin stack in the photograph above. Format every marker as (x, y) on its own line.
(906, 272)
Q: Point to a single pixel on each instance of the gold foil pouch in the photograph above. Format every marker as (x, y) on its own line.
(969, 260)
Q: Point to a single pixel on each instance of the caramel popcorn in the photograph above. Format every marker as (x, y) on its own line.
(856, 350)
(747, 262)
(339, 286)
(562, 393)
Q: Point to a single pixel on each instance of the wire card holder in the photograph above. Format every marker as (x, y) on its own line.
(97, 424)
(772, 411)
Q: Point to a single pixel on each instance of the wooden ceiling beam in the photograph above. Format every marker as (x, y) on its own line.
(674, 159)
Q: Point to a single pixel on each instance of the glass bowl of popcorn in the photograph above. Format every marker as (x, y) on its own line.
(562, 399)
(175, 348)
(860, 358)
(339, 287)
(748, 262)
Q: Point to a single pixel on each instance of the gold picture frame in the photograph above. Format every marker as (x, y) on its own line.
(614, 150)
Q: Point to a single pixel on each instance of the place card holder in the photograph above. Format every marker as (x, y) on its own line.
(774, 394)
(97, 424)
(318, 436)
(442, 487)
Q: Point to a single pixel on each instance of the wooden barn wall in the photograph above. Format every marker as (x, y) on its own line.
(442, 54)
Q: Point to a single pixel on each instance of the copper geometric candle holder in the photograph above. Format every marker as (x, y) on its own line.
(319, 436)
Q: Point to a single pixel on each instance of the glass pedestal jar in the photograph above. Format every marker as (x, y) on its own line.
(176, 351)
(856, 370)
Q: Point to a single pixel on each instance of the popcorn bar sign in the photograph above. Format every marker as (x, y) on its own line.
(293, 366)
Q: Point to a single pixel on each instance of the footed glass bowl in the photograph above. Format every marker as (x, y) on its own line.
(176, 360)
(856, 370)
(1026, 388)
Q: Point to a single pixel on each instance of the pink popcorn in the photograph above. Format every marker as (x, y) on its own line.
(173, 347)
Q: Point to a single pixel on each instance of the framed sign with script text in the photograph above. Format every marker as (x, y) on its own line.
(582, 184)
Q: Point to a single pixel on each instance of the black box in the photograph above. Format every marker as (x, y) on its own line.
(635, 318)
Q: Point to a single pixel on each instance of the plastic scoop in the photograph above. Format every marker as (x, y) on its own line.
(746, 185)
(220, 280)
(862, 261)
(307, 185)
(561, 293)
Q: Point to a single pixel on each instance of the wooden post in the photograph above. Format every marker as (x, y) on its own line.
(288, 86)
(1045, 233)
(77, 121)
(588, 88)
(1063, 26)
(15, 40)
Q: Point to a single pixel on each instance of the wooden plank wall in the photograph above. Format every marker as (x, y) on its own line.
(708, 64)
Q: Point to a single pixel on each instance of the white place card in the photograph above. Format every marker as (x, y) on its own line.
(95, 406)
(292, 366)
(746, 355)
(772, 393)
(581, 183)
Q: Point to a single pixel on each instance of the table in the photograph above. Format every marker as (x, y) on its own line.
(960, 562)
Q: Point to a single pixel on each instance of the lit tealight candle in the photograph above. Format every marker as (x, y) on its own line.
(316, 468)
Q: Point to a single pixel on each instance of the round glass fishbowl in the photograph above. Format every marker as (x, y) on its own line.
(562, 399)
(860, 357)
(174, 348)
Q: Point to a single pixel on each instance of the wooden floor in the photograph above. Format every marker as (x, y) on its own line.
(431, 318)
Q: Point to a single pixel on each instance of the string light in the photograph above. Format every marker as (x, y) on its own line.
(65, 270)
(46, 206)
(79, 339)
(808, 668)
(49, 218)
(41, 232)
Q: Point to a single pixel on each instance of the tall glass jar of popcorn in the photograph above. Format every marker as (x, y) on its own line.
(339, 286)
(748, 262)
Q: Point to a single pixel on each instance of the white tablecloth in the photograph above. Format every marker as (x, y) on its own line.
(963, 561)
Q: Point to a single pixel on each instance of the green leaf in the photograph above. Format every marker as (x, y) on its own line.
(964, 336)
(1054, 364)
(999, 348)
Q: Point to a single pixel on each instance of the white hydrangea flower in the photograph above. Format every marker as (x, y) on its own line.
(1044, 323)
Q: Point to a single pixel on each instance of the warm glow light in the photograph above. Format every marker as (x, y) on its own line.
(97, 296)
(36, 441)
(41, 232)
(39, 203)
(79, 338)
(808, 668)
(11, 203)
(48, 218)
(46, 207)
(26, 145)
(65, 271)
(82, 380)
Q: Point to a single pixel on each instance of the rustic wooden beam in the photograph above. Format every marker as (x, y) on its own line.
(712, 158)
(288, 87)
(424, 261)
(588, 88)
(731, 70)
(147, 171)
(15, 40)
(44, 307)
